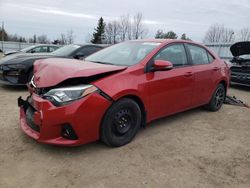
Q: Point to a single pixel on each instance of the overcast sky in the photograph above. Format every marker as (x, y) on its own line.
(193, 17)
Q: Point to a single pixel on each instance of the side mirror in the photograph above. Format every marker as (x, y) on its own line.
(32, 51)
(161, 65)
(79, 56)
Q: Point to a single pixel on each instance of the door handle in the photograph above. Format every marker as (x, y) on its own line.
(188, 74)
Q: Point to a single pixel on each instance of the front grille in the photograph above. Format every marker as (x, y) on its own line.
(29, 119)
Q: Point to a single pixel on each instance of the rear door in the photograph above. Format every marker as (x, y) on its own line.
(204, 73)
(171, 91)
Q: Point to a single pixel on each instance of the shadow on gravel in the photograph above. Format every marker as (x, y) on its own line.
(167, 121)
(99, 147)
(242, 88)
(13, 88)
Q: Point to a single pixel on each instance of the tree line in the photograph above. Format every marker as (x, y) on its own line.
(63, 39)
(125, 28)
(128, 27)
(219, 33)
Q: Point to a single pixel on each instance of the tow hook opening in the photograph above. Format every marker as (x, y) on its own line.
(68, 132)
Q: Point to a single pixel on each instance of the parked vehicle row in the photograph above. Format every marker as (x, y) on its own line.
(17, 69)
(115, 91)
(241, 63)
(40, 48)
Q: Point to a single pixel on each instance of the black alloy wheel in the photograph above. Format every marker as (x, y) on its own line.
(217, 99)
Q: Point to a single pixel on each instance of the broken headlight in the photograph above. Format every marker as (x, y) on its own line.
(61, 96)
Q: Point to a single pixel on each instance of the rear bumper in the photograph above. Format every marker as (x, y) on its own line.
(240, 79)
(47, 121)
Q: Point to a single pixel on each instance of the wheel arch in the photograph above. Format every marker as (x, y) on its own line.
(224, 83)
(139, 101)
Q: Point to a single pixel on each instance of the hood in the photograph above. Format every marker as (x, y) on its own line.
(51, 72)
(21, 57)
(11, 52)
(240, 48)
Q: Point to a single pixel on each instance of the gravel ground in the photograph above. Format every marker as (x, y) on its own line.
(196, 148)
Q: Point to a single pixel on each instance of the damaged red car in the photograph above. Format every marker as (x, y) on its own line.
(114, 92)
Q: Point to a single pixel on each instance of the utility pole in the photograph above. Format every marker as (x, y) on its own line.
(2, 34)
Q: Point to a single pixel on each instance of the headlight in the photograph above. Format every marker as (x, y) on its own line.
(61, 96)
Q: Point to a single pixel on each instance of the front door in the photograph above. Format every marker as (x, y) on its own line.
(171, 91)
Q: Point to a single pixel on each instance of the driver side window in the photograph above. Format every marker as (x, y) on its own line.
(176, 54)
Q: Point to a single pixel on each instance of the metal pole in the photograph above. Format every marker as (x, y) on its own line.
(2, 34)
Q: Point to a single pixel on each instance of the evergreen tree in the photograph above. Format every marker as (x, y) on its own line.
(98, 35)
(3, 34)
(169, 35)
(184, 37)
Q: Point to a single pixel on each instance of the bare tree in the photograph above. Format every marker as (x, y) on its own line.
(244, 34)
(63, 39)
(88, 38)
(113, 31)
(124, 26)
(43, 39)
(137, 27)
(218, 33)
(130, 32)
(108, 33)
(228, 35)
(70, 37)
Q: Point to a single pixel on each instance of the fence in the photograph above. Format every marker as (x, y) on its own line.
(13, 46)
(222, 49)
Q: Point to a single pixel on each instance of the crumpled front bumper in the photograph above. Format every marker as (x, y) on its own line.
(44, 122)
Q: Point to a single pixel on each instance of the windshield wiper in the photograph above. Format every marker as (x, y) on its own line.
(107, 63)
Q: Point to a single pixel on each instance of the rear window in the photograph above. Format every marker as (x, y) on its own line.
(199, 55)
(210, 57)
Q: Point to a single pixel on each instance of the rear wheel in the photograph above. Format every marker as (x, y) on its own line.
(217, 98)
(121, 123)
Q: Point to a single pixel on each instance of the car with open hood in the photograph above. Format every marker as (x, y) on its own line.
(241, 63)
(17, 69)
(119, 89)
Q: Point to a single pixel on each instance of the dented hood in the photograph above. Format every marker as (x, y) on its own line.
(240, 48)
(50, 72)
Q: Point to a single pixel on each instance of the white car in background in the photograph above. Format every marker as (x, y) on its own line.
(39, 48)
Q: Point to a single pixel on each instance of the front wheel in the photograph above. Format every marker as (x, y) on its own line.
(121, 123)
(217, 98)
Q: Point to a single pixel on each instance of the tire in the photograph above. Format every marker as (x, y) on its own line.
(121, 123)
(217, 99)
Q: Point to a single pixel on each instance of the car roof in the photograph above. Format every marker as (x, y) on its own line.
(165, 41)
(90, 44)
(35, 45)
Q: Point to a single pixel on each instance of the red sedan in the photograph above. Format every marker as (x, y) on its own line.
(114, 92)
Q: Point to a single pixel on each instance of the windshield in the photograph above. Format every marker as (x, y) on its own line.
(65, 50)
(126, 53)
(27, 48)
